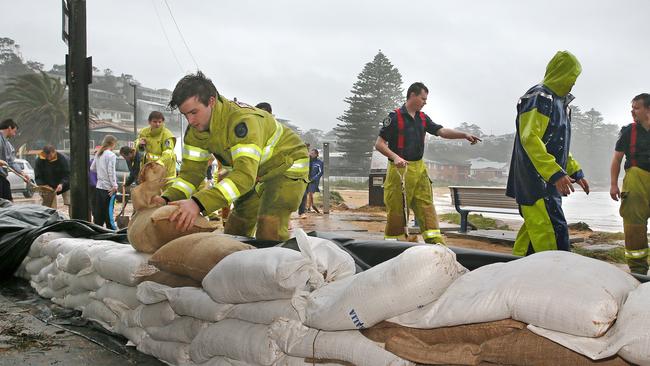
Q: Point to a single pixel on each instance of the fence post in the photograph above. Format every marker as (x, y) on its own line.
(326, 178)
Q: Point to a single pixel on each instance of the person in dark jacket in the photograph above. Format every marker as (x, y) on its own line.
(132, 159)
(315, 172)
(52, 174)
(542, 169)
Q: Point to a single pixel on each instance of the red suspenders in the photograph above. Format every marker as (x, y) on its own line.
(400, 129)
(633, 145)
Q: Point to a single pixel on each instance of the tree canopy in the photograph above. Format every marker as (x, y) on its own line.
(39, 104)
(377, 91)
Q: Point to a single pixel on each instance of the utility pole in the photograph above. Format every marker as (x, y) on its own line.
(78, 76)
(135, 108)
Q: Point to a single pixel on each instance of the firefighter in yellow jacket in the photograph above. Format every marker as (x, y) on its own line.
(156, 143)
(268, 163)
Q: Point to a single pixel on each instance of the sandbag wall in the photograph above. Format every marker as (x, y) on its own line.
(277, 306)
(252, 324)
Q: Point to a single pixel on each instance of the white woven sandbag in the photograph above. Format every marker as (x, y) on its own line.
(629, 336)
(97, 311)
(194, 302)
(237, 340)
(78, 259)
(126, 295)
(555, 290)
(416, 277)
(149, 292)
(351, 346)
(35, 250)
(63, 246)
(44, 291)
(156, 315)
(21, 271)
(259, 275)
(35, 265)
(122, 264)
(263, 312)
(42, 275)
(285, 360)
(183, 329)
(173, 353)
(74, 301)
(89, 282)
(330, 260)
(225, 361)
(59, 280)
(133, 334)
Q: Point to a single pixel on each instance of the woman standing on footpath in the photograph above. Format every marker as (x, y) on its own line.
(104, 165)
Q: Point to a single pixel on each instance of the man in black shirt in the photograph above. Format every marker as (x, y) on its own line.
(634, 143)
(401, 140)
(52, 174)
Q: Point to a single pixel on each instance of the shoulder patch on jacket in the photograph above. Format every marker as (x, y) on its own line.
(241, 130)
(243, 105)
(388, 120)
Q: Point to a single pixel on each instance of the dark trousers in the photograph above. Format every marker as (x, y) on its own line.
(302, 209)
(5, 189)
(103, 209)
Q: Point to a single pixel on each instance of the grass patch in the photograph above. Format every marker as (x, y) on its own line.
(616, 255)
(605, 237)
(335, 198)
(478, 220)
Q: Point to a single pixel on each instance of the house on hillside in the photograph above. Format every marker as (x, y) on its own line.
(447, 170)
(111, 107)
(486, 170)
(98, 129)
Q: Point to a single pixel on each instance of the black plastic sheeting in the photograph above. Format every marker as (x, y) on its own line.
(21, 224)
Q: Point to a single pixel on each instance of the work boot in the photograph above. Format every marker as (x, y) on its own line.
(636, 248)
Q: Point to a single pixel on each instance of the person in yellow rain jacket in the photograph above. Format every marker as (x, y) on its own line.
(634, 144)
(401, 140)
(541, 169)
(268, 163)
(156, 143)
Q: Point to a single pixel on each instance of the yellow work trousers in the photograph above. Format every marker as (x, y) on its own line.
(265, 210)
(419, 197)
(635, 211)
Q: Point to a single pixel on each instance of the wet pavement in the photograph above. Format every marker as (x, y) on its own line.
(35, 331)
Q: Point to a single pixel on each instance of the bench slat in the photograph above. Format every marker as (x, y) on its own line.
(490, 197)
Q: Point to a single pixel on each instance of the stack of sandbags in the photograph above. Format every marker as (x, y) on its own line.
(36, 260)
(555, 290)
(84, 274)
(259, 285)
(65, 279)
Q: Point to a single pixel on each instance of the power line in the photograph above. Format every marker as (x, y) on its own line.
(180, 66)
(181, 34)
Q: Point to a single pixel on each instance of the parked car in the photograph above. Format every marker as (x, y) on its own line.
(18, 185)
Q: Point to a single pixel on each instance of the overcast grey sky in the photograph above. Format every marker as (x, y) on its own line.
(476, 57)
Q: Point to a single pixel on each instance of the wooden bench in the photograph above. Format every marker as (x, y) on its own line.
(468, 199)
